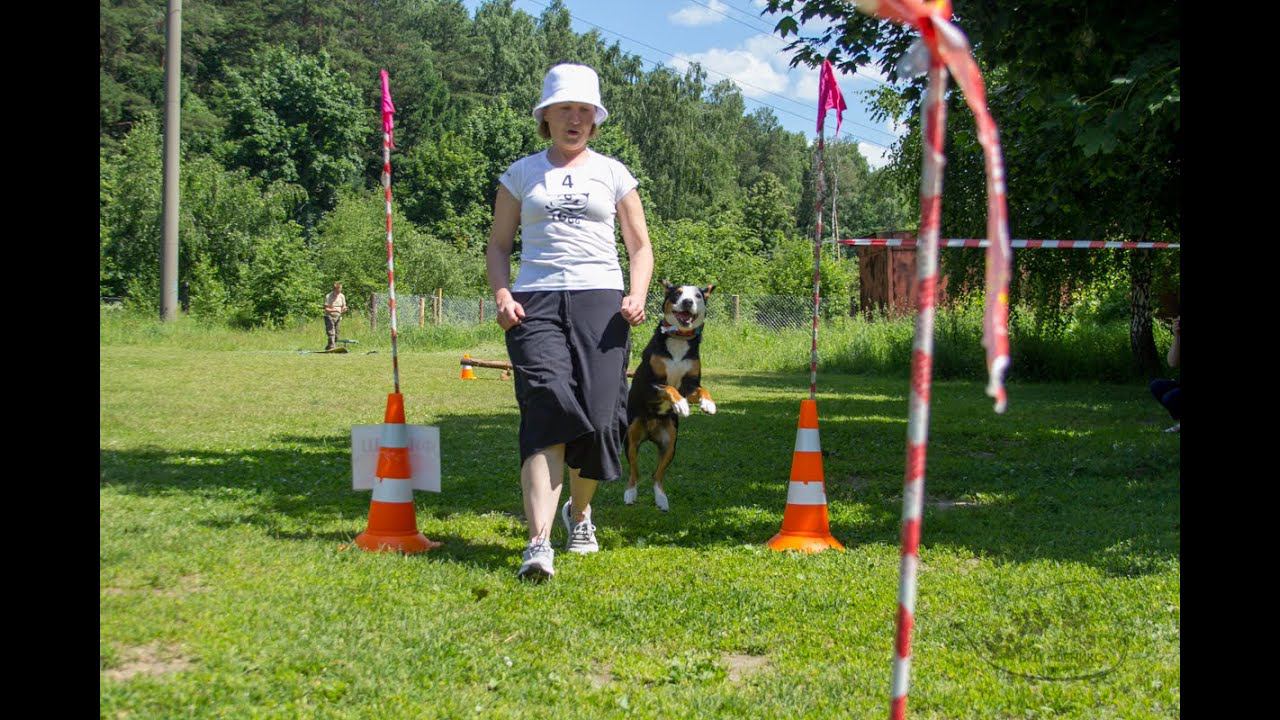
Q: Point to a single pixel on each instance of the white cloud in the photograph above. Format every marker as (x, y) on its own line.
(755, 76)
(766, 45)
(693, 15)
(877, 157)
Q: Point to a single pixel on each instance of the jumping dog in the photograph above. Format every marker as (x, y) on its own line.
(666, 382)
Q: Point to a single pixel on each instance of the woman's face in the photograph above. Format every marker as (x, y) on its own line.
(570, 123)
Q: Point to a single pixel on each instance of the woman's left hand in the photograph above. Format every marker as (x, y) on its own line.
(633, 309)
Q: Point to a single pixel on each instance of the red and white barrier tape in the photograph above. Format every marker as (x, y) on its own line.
(1047, 244)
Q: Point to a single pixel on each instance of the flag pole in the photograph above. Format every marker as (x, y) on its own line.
(819, 189)
(829, 97)
(388, 110)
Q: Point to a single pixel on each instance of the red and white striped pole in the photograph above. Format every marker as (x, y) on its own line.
(995, 319)
(934, 113)
(388, 109)
(819, 188)
(948, 49)
(1029, 244)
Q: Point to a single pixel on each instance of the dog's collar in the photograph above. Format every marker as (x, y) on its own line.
(673, 330)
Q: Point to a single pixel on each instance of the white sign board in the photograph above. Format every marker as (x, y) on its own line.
(424, 456)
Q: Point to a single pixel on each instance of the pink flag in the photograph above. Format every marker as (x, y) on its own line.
(829, 96)
(388, 109)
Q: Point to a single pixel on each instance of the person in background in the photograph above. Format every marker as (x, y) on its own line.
(335, 304)
(1169, 392)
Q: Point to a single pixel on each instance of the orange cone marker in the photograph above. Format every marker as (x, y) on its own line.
(804, 523)
(393, 522)
(467, 372)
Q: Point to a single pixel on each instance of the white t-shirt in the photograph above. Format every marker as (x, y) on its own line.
(566, 221)
(338, 302)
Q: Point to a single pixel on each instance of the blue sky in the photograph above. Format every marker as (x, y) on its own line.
(731, 40)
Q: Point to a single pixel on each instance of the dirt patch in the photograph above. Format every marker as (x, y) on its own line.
(601, 675)
(154, 658)
(856, 483)
(186, 585)
(982, 454)
(742, 666)
(948, 504)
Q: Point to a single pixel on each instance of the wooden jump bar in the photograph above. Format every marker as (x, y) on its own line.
(504, 365)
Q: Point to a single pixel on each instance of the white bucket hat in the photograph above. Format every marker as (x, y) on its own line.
(571, 83)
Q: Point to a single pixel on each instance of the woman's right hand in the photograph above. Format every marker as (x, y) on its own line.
(510, 312)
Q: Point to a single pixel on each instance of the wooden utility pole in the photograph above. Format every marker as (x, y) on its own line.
(172, 122)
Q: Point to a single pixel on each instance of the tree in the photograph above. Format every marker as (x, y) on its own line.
(690, 167)
(129, 202)
(790, 272)
(703, 252)
(279, 283)
(444, 180)
(297, 119)
(500, 135)
(350, 247)
(223, 216)
(512, 62)
(766, 213)
(767, 147)
(868, 201)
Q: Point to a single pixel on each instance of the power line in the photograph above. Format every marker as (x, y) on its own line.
(740, 82)
(769, 33)
(740, 22)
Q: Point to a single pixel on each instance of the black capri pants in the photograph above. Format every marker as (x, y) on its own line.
(570, 356)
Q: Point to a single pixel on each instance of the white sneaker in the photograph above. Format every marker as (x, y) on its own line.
(582, 536)
(539, 561)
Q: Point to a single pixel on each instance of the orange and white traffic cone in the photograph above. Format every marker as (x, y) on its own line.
(467, 372)
(804, 523)
(393, 523)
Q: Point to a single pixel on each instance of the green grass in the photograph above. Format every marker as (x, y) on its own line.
(229, 586)
(1080, 351)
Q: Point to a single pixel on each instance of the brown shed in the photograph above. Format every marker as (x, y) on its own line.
(887, 278)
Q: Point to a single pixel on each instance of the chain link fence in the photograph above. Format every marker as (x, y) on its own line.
(775, 312)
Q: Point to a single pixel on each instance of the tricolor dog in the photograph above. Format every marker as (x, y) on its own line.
(668, 380)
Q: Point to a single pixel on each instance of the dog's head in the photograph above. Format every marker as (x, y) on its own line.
(685, 306)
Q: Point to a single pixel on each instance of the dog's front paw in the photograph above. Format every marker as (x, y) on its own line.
(708, 406)
(681, 407)
(660, 499)
(629, 496)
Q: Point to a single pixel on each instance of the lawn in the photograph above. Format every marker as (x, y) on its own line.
(230, 586)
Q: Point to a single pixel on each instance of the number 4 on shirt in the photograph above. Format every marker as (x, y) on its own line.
(568, 181)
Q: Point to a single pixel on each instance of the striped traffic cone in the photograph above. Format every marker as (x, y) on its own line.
(393, 524)
(467, 372)
(804, 523)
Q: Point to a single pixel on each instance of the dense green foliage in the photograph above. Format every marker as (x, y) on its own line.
(281, 136)
(1087, 97)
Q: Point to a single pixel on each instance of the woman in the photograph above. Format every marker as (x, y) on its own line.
(566, 318)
